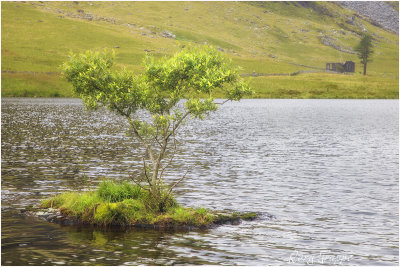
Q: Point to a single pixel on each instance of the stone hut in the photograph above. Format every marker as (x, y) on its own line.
(348, 66)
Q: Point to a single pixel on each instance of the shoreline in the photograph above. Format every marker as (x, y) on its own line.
(56, 216)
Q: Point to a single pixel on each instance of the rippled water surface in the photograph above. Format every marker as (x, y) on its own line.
(326, 169)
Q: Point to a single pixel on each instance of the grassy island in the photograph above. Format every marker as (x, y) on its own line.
(126, 204)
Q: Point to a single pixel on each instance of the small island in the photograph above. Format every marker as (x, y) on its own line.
(125, 204)
(155, 104)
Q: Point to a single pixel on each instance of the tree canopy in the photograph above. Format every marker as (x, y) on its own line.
(171, 89)
(364, 50)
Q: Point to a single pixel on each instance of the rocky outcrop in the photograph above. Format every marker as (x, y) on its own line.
(377, 11)
(329, 41)
(255, 74)
(167, 34)
(51, 215)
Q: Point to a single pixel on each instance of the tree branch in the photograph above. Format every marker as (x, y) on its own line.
(145, 172)
(171, 158)
(180, 121)
(142, 187)
(120, 111)
(222, 102)
(158, 142)
(145, 144)
(172, 132)
(176, 183)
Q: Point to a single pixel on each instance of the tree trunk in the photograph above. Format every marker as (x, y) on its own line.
(156, 167)
(365, 68)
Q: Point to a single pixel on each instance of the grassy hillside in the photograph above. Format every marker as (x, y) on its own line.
(261, 37)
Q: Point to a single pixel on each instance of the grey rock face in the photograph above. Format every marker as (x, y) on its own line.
(167, 34)
(378, 11)
(53, 215)
(329, 41)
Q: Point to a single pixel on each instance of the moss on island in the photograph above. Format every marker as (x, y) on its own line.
(126, 204)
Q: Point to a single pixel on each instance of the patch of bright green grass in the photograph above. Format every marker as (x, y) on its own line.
(325, 85)
(122, 203)
(34, 85)
(125, 212)
(198, 217)
(81, 205)
(112, 191)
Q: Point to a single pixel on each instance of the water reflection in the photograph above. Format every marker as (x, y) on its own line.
(327, 169)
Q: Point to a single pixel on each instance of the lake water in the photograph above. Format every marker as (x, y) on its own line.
(326, 169)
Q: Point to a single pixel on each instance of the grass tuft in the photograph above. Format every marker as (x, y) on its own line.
(113, 191)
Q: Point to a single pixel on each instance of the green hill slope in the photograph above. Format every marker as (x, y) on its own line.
(261, 37)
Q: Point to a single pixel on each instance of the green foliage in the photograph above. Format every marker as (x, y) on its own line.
(188, 74)
(112, 191)
(248, 216)
(93, 80)
(190, 216)
(121, 203)
(160, 202)
(128, 211)
(225, 217)
(364, 49)
(193, 71)
(54, 202)
(74, 203)
(182, 215)
(160, 90)
(199, 108)
(106, 213)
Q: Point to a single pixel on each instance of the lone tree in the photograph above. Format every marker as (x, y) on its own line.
(364, 49)
(170, 90)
